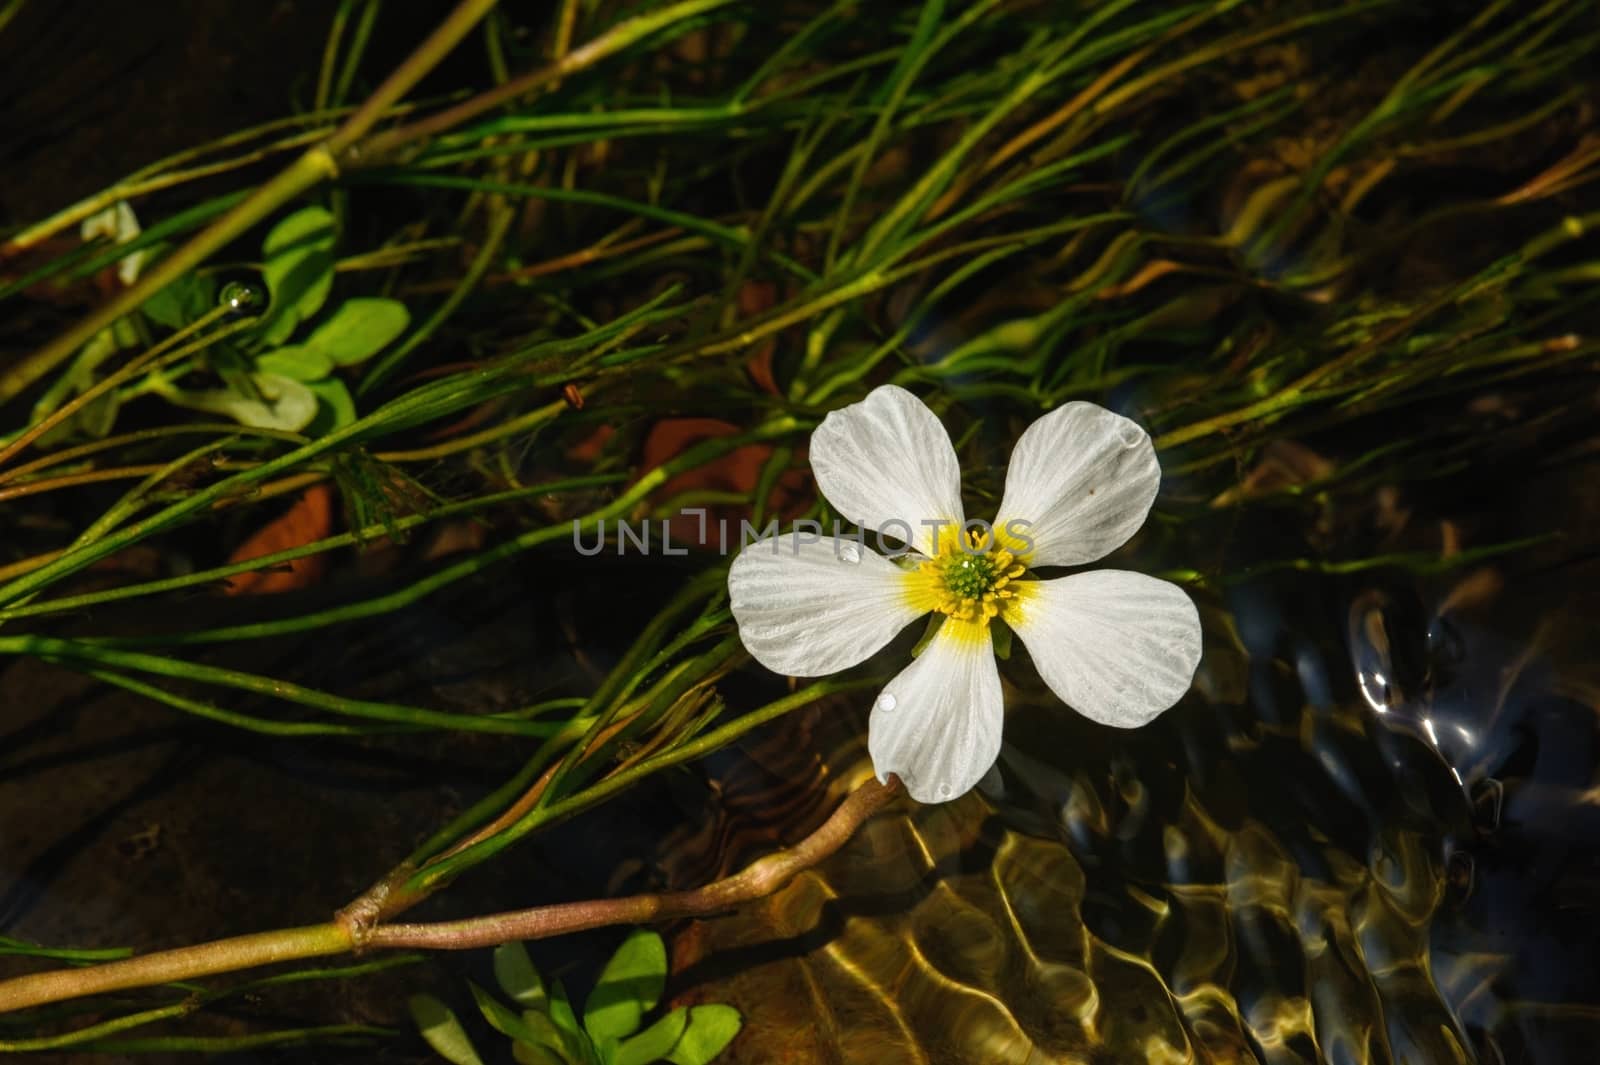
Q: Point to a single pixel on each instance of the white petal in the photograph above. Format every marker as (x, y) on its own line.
(805, 609)
(1082, 478)
(937, 725)
(1117, 647)
(886, 463)
(119, 223)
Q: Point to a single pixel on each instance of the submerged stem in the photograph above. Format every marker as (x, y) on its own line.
(762, 877)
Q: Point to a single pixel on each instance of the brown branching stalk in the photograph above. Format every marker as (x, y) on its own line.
(757, 880)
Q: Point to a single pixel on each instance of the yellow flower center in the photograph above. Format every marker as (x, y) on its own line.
(968, 578)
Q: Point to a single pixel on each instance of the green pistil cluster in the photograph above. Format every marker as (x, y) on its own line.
(968, 584)
(970, 576)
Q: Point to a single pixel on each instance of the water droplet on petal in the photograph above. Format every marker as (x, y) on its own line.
(850, 553)
(1131, 434)
(886, 702)
(945, 790)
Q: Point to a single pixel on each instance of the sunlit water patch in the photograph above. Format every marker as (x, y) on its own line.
(1332, 880)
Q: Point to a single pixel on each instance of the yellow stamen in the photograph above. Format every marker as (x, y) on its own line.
(968, 580)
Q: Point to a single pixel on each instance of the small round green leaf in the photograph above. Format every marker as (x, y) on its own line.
(181, 302)
(630, 984)
(359, 329)
(335, 407)
(307, 228)
(710, 1030)
(296, 361)
(298, 269)
(442, 1031)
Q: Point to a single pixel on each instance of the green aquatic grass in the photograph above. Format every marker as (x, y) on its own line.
(1225, 218)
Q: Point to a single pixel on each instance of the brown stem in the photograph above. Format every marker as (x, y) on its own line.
(760, 878)
(757, 880)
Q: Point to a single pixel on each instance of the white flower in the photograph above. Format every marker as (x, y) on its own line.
(1118, 647)
(118, 223)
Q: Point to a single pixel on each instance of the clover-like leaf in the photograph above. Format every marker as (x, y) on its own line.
(515, 972)
(441, 1029)
(297, 361)
(630, 984)
(181, 302)
(298, 269)
(710, 1030)
(655, 1042)
(359, 329)
(336, 408)
(283, 404)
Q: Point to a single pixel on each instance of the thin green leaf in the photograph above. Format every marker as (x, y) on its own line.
(9, 945)
(502, 1018)
(533, 1028)
(569, 1046)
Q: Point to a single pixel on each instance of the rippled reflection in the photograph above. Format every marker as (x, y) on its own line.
(1310, 863)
